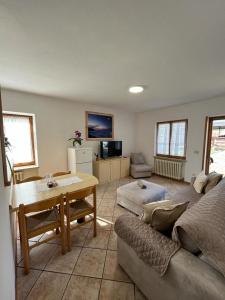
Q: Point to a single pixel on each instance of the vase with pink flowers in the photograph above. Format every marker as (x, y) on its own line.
(77, 139)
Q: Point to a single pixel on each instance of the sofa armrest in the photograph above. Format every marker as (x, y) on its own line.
(151, 246)
(204, 282)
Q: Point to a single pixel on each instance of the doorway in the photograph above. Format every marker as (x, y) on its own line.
(215, 145)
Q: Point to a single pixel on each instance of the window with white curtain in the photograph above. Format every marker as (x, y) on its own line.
(172, 138)
(19, 129)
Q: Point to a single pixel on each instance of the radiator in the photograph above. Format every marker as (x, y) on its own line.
(169, 168)
(18, 176)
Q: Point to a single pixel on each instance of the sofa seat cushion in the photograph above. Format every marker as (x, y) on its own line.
(187, 194)
(141, 168)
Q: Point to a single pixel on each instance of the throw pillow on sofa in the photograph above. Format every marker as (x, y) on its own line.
(200, 182)
(149, 208)
(212, 180)
(161, 215)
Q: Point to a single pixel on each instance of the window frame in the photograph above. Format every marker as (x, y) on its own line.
(170, 136)
(32, 123)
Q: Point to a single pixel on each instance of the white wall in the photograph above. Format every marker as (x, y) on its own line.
(7, 263)
(7, 270)
(1, 170)
(56, 121)
(195, 113)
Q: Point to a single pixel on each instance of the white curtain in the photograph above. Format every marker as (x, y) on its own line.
(163, 139)
(18, 131)
(177, 144)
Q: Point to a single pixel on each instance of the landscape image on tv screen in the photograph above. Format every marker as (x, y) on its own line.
(99, 126)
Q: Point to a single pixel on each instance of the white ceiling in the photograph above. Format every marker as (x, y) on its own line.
(93, 50)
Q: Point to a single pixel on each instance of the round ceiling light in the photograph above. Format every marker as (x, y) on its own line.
(136, 89)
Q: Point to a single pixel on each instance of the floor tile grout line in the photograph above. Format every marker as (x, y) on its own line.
(79, 275)
(102, 273)
(66, 286)
(71, 273)
(50, 256)
(82, 247)
(34, 284)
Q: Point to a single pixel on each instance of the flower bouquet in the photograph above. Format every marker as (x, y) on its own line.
(76, 140)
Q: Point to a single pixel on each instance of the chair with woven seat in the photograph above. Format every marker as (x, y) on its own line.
(29, 179)
(77, 208)
(39, 218)
(61, 173)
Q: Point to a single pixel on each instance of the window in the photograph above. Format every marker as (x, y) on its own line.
(171, 138)
(19, 129)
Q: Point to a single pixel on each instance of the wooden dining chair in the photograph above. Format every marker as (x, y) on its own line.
(38, 218)
(77, 208)
(28, 179)
(60, 173)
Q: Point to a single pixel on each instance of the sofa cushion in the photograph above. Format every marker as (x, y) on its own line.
(200, 182)
(163, 214)
(213, 179)
(141, 168)
(149, 208)
(186, 242)
(137, 158)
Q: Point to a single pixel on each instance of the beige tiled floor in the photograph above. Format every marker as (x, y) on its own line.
(90, 270)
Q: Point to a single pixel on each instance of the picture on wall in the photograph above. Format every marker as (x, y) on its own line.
(99, 126)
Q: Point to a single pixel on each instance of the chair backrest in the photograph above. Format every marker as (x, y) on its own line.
(79, 195)
(28, 179)
(41, 205)
(137, 159)
(61, 173)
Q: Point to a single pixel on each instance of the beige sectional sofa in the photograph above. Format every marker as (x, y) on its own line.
(188, 277)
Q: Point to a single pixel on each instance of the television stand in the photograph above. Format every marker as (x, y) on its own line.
(110, 169)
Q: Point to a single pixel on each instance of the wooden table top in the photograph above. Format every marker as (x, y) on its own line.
(27, 193)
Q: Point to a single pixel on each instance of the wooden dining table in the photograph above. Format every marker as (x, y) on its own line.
(31, 192)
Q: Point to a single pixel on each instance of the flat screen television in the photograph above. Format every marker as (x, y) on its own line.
(110, 149)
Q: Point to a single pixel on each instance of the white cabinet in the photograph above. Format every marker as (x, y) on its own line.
(80, 160)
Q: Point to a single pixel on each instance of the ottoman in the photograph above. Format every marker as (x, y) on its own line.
(132, 197)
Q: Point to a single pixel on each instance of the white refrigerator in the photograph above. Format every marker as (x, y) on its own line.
(80, 160)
